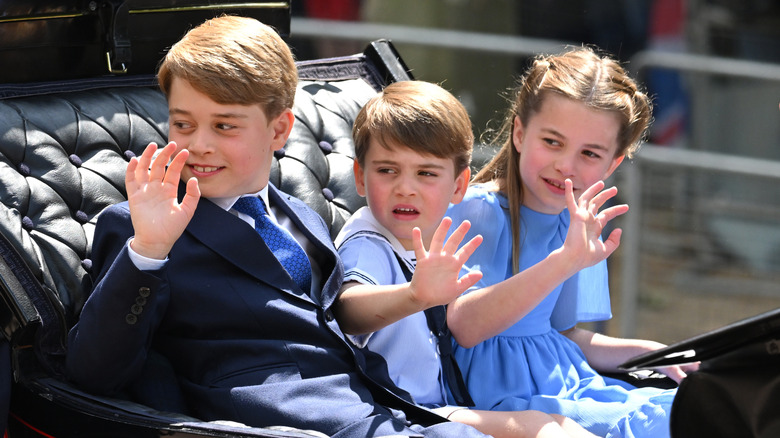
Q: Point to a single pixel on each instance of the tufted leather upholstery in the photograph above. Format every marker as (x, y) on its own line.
(63, 157)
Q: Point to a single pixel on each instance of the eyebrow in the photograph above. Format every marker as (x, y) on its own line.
(174, 111)
(393, 162)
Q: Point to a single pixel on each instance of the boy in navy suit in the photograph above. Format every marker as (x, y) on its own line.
(182, 271)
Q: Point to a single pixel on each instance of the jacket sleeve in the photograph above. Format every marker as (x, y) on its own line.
(107, 347)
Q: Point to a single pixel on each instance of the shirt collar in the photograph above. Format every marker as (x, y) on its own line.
(226, 203)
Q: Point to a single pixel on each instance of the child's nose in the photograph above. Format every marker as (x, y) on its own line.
(200, 143)
(564, 164)
(404, 186)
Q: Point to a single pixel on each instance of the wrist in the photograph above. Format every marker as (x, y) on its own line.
(155, 252)
(561, 262)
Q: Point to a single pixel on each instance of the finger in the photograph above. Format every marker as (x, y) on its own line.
(675, 373)
(173, 174)
(191, 197)
(157, 171)
(130, 173)
(465, 252)
(613, 242)
(437, 242)
(142, 169)
(451, 245)
(611, 213)
(571, 201)
(417, 244)
(591, 191)
(602, 197)
(469, 280)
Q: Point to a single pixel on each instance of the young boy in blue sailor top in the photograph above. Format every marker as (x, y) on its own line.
(413, 145)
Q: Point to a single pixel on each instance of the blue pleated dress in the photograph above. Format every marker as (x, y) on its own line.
(531, 365)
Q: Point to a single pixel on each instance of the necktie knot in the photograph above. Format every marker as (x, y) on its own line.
(285, 248)
(251, 206)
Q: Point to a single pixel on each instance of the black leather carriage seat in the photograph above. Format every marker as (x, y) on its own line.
(62, 161)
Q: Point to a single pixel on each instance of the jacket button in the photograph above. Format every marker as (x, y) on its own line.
(329, 315)
(144, 292)
(131, 319)
(136, 309)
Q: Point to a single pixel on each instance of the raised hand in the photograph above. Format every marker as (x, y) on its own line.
(587, 223)
(152, 192)
(436, 278)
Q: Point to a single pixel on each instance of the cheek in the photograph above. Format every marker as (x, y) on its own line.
(375, 196)
(592, 174)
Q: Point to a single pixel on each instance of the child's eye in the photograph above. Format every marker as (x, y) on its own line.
(385, 170)
(551, 141)
(426, 173)
(181, 125)
(590, 154)
(224, 126)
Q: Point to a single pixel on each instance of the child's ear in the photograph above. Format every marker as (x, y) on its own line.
(461, 184)
(282, 126)
(517, 134)
(360, 182)
(614, 165)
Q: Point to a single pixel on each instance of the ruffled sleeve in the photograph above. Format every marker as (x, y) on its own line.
(486, 212)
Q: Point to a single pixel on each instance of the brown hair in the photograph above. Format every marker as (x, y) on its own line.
(234, 60)
(419, 115)
(578, 74)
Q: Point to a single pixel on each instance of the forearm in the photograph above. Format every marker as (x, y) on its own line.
(486, 312)
(365, 308)
(605, 353)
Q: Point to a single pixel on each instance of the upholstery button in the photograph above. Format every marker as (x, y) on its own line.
(27, 223)
(128, 154)
(86, 264)
(81, 217)
(131, 319)
(328, 194)
(144, 292)
(24, 169)
(136, 309)
(326, 147)
(329, 315)
(75, 160)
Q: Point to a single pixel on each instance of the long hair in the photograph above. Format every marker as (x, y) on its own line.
(579, 74)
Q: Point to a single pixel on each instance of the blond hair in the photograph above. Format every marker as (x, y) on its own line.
(418, 115)
(578, 74)
(234, 60)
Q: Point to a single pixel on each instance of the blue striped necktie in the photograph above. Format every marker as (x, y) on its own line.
(279, 241)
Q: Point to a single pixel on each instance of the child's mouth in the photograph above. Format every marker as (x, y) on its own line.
(204, 170)
(555, 184)
(405, 212)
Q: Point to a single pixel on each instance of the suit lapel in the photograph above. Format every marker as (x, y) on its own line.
(235, 241)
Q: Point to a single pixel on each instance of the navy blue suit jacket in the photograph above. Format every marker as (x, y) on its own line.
(247, 344)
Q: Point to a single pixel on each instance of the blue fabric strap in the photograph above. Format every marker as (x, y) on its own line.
(279, 241)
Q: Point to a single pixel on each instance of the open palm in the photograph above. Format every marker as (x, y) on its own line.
(152, 193)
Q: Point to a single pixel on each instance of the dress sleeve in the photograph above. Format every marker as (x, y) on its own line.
(487, 216)
(584, 297)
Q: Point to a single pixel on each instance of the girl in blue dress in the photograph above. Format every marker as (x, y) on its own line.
(574, 118)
